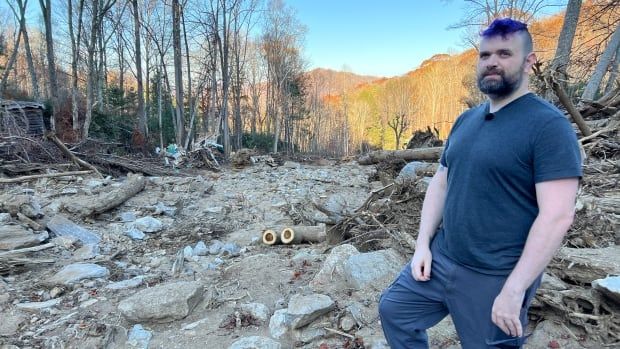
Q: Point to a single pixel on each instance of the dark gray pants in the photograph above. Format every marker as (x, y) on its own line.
(408, 307)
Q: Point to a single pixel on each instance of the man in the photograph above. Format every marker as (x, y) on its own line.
(502, 198)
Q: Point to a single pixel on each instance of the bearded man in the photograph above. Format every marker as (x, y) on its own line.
(494, 213)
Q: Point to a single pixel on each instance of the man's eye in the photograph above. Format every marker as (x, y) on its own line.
(504, 54)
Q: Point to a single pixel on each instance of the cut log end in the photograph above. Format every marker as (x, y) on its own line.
(270, 237)
(290, 237)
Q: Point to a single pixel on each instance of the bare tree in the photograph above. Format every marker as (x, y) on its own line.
(142, 122)
(178, 70)
(605, 60)
(46, 8)
(75, 56)
(565, 41)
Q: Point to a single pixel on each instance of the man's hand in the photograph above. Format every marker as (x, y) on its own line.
(506, 311)
(421, 264)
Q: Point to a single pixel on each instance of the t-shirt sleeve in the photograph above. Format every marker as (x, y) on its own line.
(556, 152)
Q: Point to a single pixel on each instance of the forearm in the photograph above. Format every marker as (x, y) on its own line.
(432, 208)
(544, 239)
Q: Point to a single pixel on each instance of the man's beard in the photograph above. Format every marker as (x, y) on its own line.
(503, 87)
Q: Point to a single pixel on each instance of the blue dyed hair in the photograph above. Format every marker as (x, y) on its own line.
(506, 26)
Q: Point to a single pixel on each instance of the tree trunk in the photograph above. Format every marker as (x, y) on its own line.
(613, 73)
(178, 71)
(75, 56)
(142, 127)
(9, 65)
(22, 27)
(601, 67)
(565, 42)
(90, 79)
(192, 112)
(46, 8)
(405, 154)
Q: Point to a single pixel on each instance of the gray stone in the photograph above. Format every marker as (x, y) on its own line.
(5, 217)
(548, 330)
(215, 247)
(138, 337)
(15, 236)
(372, 270)
(148, 224)
(188, 252)
(347, 323)
(408, 173)
(61, 226)
(38, 306)
(308, 334)
(127, 217)
(125, 284)
(201, 249)
(10, 324)
(65, 241)
(162, 303)
(279, 323)
(230, 249)
(257, 310)
(291, 165)
(93, 184)
(169, 211)
(255, 342)
(85, 252)
(304, 309)
(610, 286)
(214, 209)
(422, 185)
(73, 273)
(333, 267)
(135, 233)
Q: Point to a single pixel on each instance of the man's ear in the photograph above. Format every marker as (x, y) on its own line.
(530, 60)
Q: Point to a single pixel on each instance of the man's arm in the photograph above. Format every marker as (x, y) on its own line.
(432, 213)
(556, 204)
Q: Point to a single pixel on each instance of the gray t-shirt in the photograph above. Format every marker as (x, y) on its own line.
(493, 165)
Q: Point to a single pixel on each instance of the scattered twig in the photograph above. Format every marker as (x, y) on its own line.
(47, 175)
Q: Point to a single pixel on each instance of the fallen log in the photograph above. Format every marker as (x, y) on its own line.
(32, 224)
(47, 175)
(107, 201)
(300, 234)
(270, 237)
(405, 154)
(14, 253)
(584, 265)
(51, 136)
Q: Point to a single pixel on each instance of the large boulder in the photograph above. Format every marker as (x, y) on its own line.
(62, 226)
(372, 270)
(73, 273)
(331, 275)
(162, 303)
(304, 309)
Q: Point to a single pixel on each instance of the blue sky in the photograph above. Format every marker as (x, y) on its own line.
(381, 38)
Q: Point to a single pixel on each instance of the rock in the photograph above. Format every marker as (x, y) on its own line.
(127, 217)
(610, 286)
(138, 337)
(230, 249)
(61, 226)
(548, 331)
(257, 310)
(162, 303)
(148, 224)
(308, 334)
(279, 323)
(304, 309)
(125, 284)
(65, 241)
(73, 273)
(347, 323)
(214, 209)
(408, 173)
(291, 165)
(55, 292)
(188, 252)
(333, 267)
(372, 270)
(215, 247)
(135, 234)
(15, 236)
(10, 324)
(38, 306)
(5, 217)
(85, 252)
(169, 211)
(93, 184)
(255, 342)
(201, 249)
(422, 185)
(194, 324)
